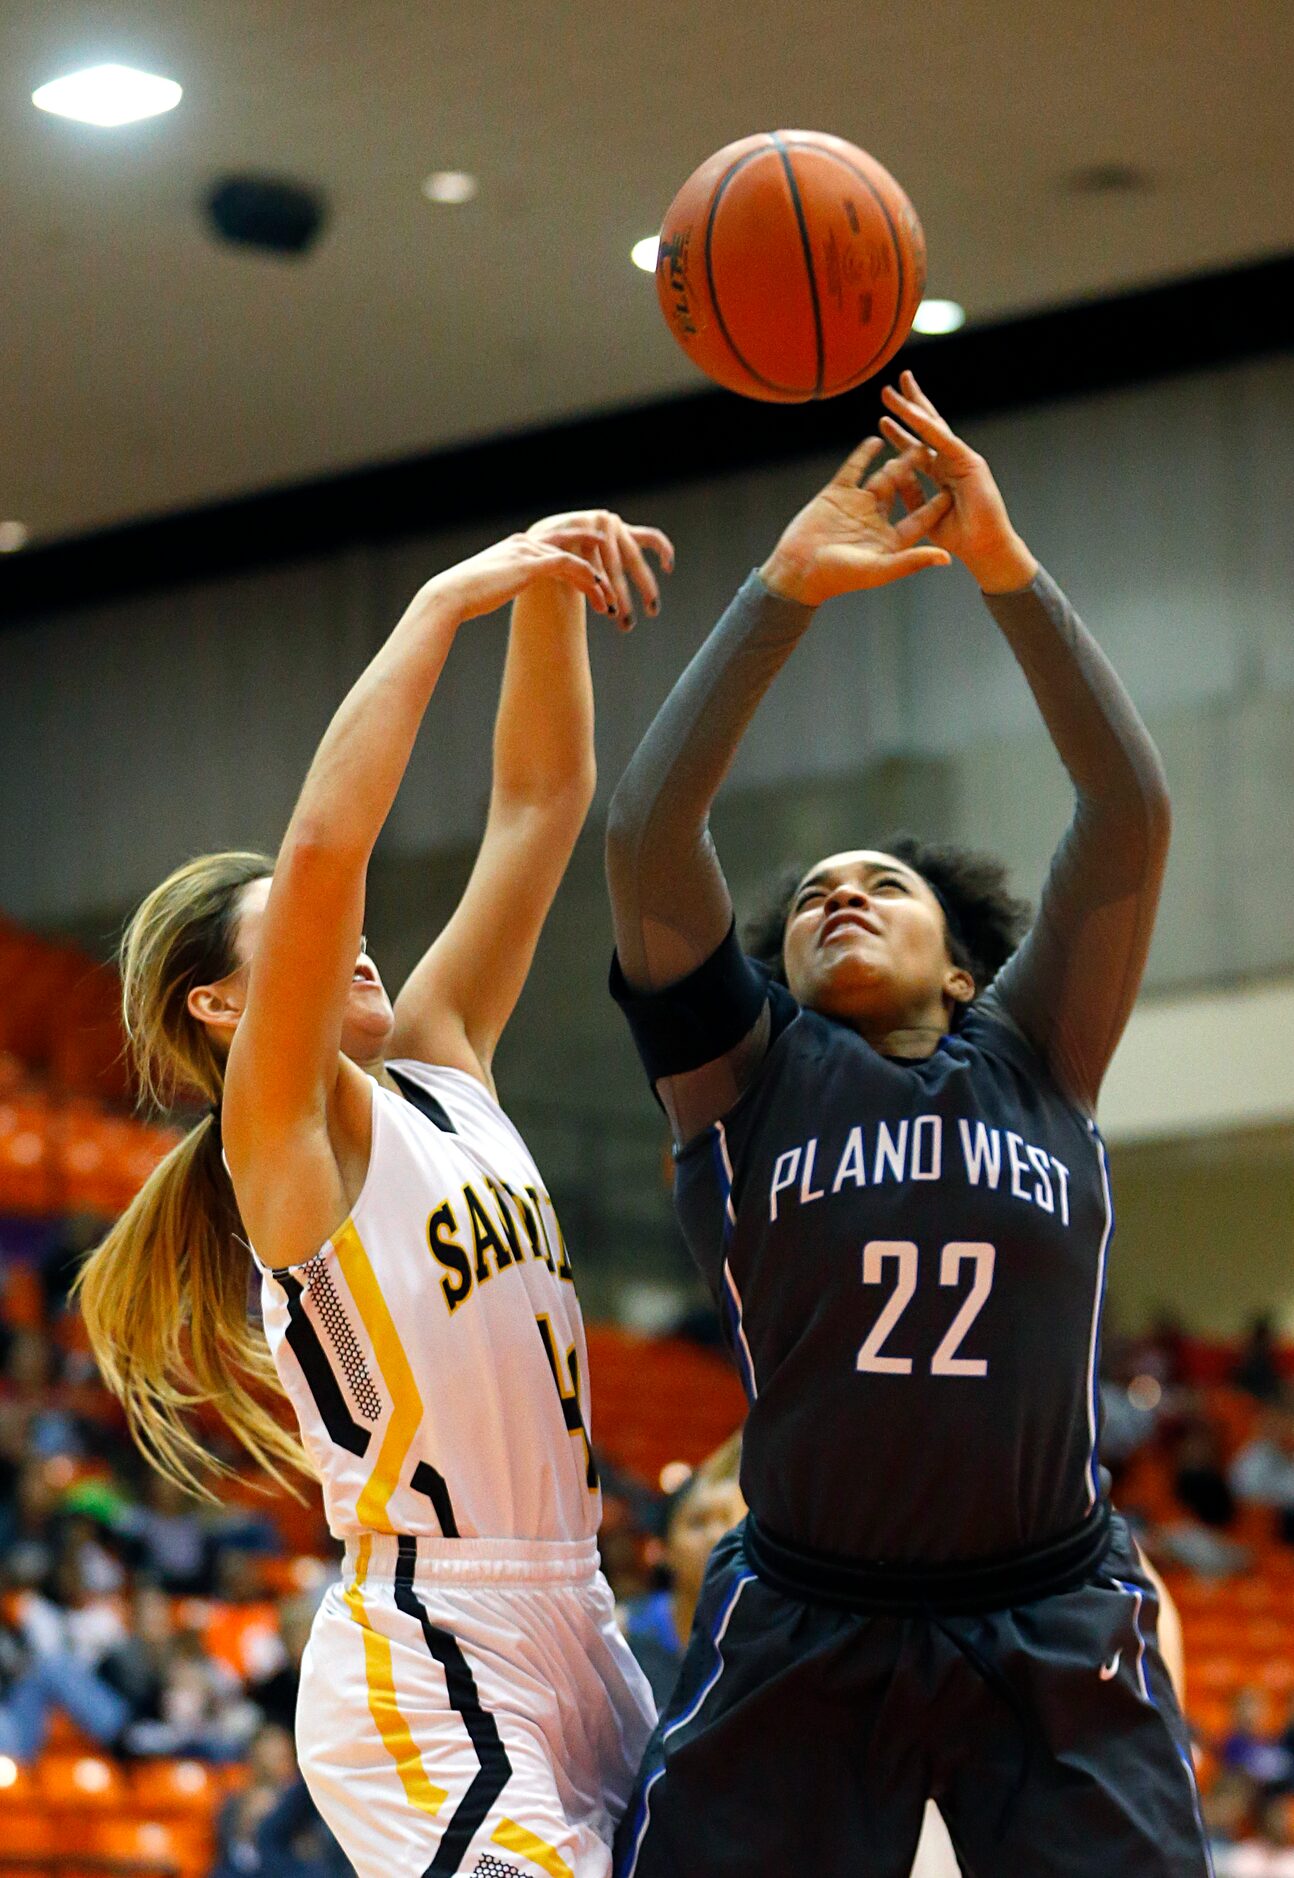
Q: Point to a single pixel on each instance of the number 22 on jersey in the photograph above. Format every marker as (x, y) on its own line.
(878, 1254)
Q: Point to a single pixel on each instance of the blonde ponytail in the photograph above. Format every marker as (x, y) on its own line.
(165, 1297)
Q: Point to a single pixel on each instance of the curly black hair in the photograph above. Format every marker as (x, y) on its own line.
(985, 921)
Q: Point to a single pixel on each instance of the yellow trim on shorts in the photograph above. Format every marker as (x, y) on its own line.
(515, 1838)
(406, 1403)
(379, 1675)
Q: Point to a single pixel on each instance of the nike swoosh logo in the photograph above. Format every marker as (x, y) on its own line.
(1111, 1669)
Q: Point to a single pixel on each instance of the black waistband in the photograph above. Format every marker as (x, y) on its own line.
(944, 1590)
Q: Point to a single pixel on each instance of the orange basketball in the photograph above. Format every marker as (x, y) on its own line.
(790, 266)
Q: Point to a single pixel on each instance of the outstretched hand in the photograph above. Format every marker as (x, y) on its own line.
(498, 574)
(974, 526)
(843, 540)
(618, 550)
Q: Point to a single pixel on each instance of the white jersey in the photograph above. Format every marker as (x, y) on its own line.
(433, 1348)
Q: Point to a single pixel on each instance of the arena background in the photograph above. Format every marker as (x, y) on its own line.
(227, 470)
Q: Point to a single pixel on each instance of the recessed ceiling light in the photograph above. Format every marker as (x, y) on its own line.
(108, 95)
(643, 253)
(939, 316)
(13, 535)
(450, 186)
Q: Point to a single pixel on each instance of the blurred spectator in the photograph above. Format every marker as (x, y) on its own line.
(1128, 1422)
(271, 1768)
(1269, 1853)
(620, 1548)
(1257, 1369)
(1198, 1549)
(30, 1389)
(167, 1536)
(1247, 1750)
(62, 1259)
(695, 1518)
(1159, 1352)
(294, 1842)
(1227, 1807)
(34, 1682)
(275, 1695)
(1285, 1784)
(1262, 1473)
(1199, 1478)
(138, 1667)
(200, 1711)
(66, 1614)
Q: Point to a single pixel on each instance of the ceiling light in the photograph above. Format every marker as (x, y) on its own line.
(643, 253)
(13, 535)
(108, 95)
(450, 186)
(939, 316)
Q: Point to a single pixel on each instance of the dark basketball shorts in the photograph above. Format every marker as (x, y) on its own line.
(803, 1738)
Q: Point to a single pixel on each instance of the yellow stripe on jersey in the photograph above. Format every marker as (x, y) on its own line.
(406, 1403)
(515, 1838)
(379, 1674)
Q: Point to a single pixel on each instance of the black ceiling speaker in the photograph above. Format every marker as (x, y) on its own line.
(266, 212)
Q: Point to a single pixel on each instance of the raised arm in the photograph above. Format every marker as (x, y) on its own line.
(459, 998)
(284, 1059)
(1071, 985)
(670, 903)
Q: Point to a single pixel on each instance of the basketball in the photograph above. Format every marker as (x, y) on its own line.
(791, 265)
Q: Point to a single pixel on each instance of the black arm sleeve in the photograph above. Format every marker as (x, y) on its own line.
(1071, 985)
(685, 1026)
(670, 903)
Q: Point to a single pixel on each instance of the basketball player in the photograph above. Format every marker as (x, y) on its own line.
(467, 1703)
(889, 1171)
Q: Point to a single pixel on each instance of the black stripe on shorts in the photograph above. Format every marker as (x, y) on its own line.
(495, 1768)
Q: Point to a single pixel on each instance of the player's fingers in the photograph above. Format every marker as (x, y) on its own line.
(659, 542)
(638, 569)
(920, 520)
(912, 560)
(912, 493)
(911, 389)
(616, 570)
(888, 480)
(855, 569)
(576, 571)
(928, 426)
(853, 471)
(903, 440)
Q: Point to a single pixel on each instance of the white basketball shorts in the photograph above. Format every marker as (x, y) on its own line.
(469, 1706)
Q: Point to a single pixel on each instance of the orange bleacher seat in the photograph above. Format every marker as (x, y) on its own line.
(35, 977)
(87, 1043)
(64, 1737)
(659, 1399)
(26, 1163)
(165, 1789)
(27, 1832)
(81, 1783)
(185, 1848)
(1215, 1672)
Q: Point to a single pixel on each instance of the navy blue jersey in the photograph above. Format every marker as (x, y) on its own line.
(909, 1258)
